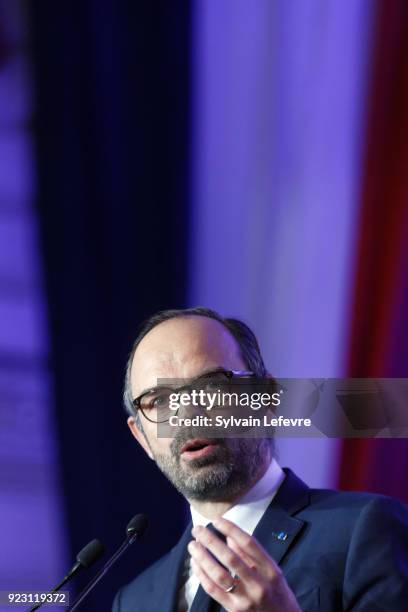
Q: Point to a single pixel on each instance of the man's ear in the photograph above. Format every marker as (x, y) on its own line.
(139, 435)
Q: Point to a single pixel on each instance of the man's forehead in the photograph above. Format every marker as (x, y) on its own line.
(180, 348)
(187, 333)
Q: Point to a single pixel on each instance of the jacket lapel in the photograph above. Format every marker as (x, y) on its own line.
(278, 528)
(171, 574)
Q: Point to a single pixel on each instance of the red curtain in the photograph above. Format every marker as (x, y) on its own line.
(379, 327)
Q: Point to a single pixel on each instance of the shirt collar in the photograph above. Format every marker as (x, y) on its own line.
(249, 509)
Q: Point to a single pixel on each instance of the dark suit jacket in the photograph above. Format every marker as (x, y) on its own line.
(343, 551)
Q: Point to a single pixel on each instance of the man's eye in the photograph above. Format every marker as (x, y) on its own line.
(159, 401)
(213, 385)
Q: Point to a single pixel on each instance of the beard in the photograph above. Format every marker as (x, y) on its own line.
(233, 467)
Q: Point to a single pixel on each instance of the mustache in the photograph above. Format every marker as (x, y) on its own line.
(184, 434)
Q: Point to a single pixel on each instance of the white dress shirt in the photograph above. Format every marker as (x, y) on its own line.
(246, 513)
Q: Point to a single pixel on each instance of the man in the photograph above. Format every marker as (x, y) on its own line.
(261, 539)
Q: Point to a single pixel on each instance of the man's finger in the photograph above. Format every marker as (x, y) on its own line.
(247, 559)
(210, 587)
(223, 553)
(249, 544)
(209, 565)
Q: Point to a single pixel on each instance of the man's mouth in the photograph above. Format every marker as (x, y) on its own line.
(198, 447)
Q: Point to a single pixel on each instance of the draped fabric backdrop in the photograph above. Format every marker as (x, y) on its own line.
(279, 113)
(379, 331)
(33, 534)
(246, 156)
(112, 121)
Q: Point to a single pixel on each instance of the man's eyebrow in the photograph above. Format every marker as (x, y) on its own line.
(212, 370)
(151, 389)
(166, 386)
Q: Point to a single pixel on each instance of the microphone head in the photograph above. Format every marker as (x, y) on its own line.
(137, 525)
(90, 553)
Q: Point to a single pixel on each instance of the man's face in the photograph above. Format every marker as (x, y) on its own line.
(184, 348)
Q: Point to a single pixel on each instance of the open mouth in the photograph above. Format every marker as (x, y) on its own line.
(199, 447)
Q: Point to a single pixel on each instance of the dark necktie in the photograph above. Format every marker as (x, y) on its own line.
(202, 602)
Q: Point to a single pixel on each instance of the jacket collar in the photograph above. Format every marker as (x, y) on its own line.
(278, 528)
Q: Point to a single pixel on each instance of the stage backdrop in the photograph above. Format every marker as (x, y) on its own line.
(250, 157)
(111, 128)
(33, 532)
(279, 113)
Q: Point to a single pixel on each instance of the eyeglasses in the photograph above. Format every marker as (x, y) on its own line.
(155, 403)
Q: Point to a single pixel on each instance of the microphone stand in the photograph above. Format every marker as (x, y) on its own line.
(124, 546)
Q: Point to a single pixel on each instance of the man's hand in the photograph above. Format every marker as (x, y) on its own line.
(255, 584)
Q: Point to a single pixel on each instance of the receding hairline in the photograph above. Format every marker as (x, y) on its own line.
(182, 317)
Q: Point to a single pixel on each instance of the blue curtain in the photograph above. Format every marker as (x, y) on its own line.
(112, 133)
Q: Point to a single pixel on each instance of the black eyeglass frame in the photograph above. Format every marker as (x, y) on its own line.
(230, 374)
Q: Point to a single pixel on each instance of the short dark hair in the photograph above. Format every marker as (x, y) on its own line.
(244, 336)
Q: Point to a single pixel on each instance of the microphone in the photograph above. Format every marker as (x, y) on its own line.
(135, 529)
(85, 558)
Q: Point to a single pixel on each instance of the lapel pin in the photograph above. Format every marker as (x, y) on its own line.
(281, 535)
